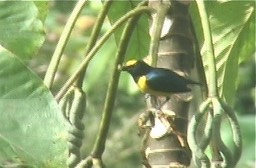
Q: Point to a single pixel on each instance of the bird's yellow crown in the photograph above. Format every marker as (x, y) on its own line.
(131, 62)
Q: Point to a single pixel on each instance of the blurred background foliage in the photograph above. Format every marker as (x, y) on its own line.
(123, 144)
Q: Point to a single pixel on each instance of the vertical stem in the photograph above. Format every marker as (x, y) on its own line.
(156, 32)
(99, 145)
(212, 82)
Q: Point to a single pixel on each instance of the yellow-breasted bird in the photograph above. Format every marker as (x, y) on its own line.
(156, 81)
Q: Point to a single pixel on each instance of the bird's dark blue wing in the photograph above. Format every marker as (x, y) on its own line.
(164, 80)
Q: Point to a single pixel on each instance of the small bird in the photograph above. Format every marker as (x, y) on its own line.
(156, 81)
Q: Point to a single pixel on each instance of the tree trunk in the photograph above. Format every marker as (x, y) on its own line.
(165, 142)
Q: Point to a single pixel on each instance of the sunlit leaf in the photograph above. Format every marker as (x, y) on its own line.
(32, 131)
(21, 28)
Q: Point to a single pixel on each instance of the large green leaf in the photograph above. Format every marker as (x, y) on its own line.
(233, 29)
(21, 28)
(139, 43)
(32, 131)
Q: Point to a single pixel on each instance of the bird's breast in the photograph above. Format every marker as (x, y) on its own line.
(142, 83)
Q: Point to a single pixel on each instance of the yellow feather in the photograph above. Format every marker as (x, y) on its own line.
(131, 62)
(142, 83)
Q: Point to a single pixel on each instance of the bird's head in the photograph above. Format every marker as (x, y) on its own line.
(129, 65)
(135, 67)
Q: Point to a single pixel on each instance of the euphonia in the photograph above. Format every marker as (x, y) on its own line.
(156, 81)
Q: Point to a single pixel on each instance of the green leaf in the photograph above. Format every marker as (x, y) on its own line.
(233, 38)
(43, 9)
(139, 44)
(21, 28)
(32, 131)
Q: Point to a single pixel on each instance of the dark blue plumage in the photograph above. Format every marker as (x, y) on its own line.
(156, 81)
(165, 80)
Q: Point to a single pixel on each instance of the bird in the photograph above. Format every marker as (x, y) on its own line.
(156, 81)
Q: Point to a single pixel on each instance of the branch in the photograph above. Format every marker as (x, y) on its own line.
(54, 63)
(94, 36)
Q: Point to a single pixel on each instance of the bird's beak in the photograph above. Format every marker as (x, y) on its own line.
(122, 68)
